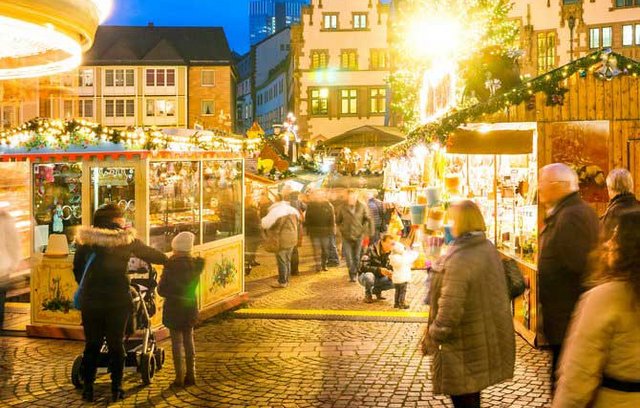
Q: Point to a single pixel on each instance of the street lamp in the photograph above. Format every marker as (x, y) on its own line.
(572, 25)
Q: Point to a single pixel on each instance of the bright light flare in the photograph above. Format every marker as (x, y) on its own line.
(431, 38)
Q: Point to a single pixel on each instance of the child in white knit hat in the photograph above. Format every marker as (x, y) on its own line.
(401, 261)
(180, 311)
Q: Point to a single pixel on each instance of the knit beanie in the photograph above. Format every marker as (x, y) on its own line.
(183, 242)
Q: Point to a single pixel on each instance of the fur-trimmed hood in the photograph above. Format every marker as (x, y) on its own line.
(105, 237)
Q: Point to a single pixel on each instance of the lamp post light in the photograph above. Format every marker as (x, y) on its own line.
(572, 25)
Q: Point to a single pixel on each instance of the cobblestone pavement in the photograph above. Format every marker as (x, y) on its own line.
(276, 362)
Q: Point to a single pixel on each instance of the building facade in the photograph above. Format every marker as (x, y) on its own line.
(340, 57)
(273, 76)
(555, 32)
(266, 17)
(139, 76)
(244, 92)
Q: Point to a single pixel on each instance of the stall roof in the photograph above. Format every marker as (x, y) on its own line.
(495, 138)
(367, 136)
(603, 63)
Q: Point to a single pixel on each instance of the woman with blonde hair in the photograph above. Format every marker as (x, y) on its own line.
(470, 330)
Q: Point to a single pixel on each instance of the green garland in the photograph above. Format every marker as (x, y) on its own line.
(56, 134)
(549, 83)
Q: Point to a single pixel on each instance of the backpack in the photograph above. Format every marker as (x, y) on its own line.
(272, 236)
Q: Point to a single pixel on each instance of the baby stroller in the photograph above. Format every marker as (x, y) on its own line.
(142, 351)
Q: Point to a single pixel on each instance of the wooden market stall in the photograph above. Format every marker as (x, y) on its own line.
(165, 184)
(585, 114)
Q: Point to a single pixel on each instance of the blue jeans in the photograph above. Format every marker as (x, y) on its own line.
(351, 250)
(334, 257)
(321, 250)
(284, 265)
(374, 285)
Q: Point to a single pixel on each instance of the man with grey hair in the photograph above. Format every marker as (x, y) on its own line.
(570, 233)
(620, 187)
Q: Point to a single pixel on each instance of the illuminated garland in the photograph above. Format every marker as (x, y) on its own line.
(549, 83)
(56, 134)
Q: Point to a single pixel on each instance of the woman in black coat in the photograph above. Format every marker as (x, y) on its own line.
(106, 299)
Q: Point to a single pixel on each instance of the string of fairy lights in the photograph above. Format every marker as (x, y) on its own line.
(604, 64)
(61, 135)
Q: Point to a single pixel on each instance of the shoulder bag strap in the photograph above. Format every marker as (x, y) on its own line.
(92, 256)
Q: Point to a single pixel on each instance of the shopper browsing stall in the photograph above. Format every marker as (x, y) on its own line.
(355, 224)
(180, 311)
(100, 263)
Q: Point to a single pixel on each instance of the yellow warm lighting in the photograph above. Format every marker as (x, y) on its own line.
(324, 93)
(44, 37)
(446, 33)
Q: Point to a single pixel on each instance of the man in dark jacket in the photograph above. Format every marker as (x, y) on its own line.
(355, 223)
(320, 222)
(375, 269)
(376, 209)
(570, 233)
(620, 186)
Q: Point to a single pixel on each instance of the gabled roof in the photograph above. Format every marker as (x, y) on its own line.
(440, 129)
(364, 136)
(127, 45)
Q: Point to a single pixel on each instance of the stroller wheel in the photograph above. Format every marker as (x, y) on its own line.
(159, 354)
(147, 367)
(76, 372)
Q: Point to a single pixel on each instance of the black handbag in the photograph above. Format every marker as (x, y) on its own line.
(514, 277)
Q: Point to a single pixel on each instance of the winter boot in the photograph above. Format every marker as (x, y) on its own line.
(190, 378)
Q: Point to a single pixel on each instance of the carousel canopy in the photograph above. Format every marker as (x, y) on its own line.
(44, 37)
(366, 136)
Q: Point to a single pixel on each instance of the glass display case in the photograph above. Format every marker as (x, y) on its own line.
(174, 201)
(115, 185)
(222, 199)
(57, 201)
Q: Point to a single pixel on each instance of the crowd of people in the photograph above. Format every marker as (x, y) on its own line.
(588, 279)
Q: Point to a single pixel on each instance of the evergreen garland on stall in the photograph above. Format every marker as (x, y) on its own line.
(611, 65)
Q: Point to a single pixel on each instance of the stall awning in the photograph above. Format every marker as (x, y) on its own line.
(499, 138)
(367, 136)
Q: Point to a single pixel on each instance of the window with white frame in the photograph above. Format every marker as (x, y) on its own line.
(119, 108)
(360, 21)
(161, 107)
(208, 108)
(85, 108)
(600, 37)
(208, 77)
(161, 77)
(119, 77)
(330, 21)
(630, 35)
(85, 77)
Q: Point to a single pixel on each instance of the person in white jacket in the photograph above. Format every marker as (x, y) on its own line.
(282, 222)
(401, 261)
(600, 364)
(9, 256)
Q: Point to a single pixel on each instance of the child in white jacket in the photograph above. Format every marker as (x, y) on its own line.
(401, 261)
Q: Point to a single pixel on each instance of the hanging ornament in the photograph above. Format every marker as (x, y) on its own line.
(492, 84)
(609, 68)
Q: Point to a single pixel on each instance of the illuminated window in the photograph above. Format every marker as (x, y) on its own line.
(161, 107)
(349, 101)
(319, 59)
(208, 108)
(546, 52)
(85, 77)
(378, 100)
(378, 59)
(607, 36)
(349, 59)
(320, 101)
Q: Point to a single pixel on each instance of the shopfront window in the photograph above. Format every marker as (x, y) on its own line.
(222, 199)
(114, 186)
(57, 206)
(174, 201)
